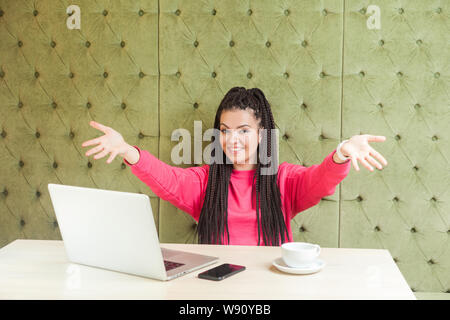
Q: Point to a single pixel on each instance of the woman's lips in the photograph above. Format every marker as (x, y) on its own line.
(235, 150)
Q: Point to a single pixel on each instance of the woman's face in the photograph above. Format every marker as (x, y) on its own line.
(239, 137)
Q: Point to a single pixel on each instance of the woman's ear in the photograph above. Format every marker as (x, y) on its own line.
(260, 133)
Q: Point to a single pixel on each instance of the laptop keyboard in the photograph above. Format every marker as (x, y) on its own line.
(171, 265)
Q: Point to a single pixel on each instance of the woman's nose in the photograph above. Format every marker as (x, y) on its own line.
(234, 138)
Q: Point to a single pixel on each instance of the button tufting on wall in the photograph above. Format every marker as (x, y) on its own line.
(397, 137)
(88, 105)
(2, 73)
(178, 74)
(213, 12)
(105, 12)
(419, 42)
(249, 75)
(362, 10)
(3, 134)
(19, 43)
(377, 228)
(413, 230)
(437, 75)
(195, 105)
(395, 199)
(302, 229)
(35, 12)
(362, 74)
(213, 74)
(431, 261)
(36, 74)
(141, 135)
(249, 12)
(231, 43)
(322, 74)
(178, 12)
(71, 134)
(20, 104)
(87, 44)
(1, 13)
(417, 106)
(304, 43)
(37, 134)
(71, 75)
(55, 165)
(438, 10)
(359, 198)
(55, 224)
(395, 260)
(141, 12)
(286, 75)
(433, 199)
(285, 137)
(123, 165)
(122, 44)
(123, 105)
(399, 74)
(38, 193)
(5, 192)
(416, 168)
(53, 44)
(22, 222)
(286, 12)
(324, 12)
(321, 137)
(141, 74)
(196, 43)
(303, 106)
(89, 164)
(401, 11)
(434, 138)
(268, 44)
(105, 74)
(380, 105)
(381, 42)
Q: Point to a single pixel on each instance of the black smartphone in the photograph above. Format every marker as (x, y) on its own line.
(221, 272)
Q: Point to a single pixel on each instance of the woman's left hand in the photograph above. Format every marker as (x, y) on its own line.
(358, 148)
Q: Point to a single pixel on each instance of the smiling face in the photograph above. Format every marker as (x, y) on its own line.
(239, 137)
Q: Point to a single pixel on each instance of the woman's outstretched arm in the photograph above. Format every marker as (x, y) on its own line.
(306, 186)
(183, 187)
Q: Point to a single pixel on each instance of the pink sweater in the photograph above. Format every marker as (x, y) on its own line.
(300, 188)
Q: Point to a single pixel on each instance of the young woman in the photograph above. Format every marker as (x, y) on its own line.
(221, 196)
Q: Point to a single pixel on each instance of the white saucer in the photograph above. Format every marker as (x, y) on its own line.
(312, 267)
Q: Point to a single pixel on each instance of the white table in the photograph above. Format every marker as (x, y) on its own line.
(39, 269)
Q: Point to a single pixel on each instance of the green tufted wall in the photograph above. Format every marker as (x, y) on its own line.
(148, 67)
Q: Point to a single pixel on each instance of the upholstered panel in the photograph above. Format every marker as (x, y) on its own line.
(396, 84)
(53, 81)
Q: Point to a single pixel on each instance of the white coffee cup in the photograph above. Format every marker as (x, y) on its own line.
(297, 254)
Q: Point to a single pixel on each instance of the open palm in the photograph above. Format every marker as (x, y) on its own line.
(358, 149)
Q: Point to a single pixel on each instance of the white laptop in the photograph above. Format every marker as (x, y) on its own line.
(116, 231)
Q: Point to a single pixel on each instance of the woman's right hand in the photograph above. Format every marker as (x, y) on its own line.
(111, 142)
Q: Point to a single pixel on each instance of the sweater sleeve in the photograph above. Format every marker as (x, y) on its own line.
(306, 186)
(182, 187)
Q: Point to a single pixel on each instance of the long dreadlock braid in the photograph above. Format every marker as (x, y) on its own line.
(213, 219)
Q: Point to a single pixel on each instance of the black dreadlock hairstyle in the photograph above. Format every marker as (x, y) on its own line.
(213, 219)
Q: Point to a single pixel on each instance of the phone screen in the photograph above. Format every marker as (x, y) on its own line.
(221, 272)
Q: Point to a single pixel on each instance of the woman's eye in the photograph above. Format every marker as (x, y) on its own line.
(223, 130)
(244, 130)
